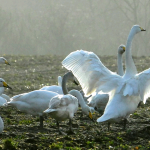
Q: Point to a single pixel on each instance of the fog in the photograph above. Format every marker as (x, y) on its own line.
(42, 27)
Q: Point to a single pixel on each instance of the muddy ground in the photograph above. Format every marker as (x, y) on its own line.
(22, 131)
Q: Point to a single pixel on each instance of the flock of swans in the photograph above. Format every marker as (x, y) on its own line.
(113, 95)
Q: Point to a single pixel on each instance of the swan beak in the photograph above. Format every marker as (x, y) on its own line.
(90, 115)
(7, 63)
(142, 29)
(124, 48)
(6, 85)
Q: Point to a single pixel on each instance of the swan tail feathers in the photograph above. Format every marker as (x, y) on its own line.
(103, 119)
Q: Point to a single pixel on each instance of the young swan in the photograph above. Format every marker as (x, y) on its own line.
(85, 108)
(62, 107)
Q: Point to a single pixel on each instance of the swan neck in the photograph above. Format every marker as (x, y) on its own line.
(66, 77)
(130, 66)
(78, 95)
(119, 64)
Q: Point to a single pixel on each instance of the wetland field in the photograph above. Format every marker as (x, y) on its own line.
(22, 131)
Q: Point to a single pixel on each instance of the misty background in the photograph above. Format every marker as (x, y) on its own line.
(40, 27)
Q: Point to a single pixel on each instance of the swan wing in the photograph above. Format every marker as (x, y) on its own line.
(144, 84)
(61, 101)
(90, 72)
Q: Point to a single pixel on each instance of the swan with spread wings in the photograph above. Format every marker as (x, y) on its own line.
(125, 92)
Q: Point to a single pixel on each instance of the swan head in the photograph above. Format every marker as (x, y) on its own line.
(137, 28)
(87, 111)
(121, 49)
(4, 61)
(4, 84)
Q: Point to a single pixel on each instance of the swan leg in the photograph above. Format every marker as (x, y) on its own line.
(58, 127)
(60, 132)
(124, 124)
(70, 127)
(41, 122)
(108, 126)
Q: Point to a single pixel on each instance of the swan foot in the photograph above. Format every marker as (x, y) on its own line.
(60, 132)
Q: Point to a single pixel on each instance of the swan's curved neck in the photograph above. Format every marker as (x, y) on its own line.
(119, 64)
(78, 95)
(130, 66)
(66, 77)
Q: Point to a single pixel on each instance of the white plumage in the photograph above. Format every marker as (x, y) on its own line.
(3, 97)
(99, 101)
(2, 85)
(125, 92)
(33, 103)
(62, 107)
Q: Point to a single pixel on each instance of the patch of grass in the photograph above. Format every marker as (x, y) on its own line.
(27, 122)
(73, 148)
(119, 139)
(10, 144)
(57, 145)
(8, 121)
(90, 144)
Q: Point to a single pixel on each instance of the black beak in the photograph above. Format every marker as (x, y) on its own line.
(8, 87)
(143, 30)
(75, 82)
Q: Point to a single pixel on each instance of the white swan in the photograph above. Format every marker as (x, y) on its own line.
(3, 97)
(33, 103)
(2, 85)
(85, 108)
(125, 92)
(4, 61)
(62, 107)
(99, 101)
